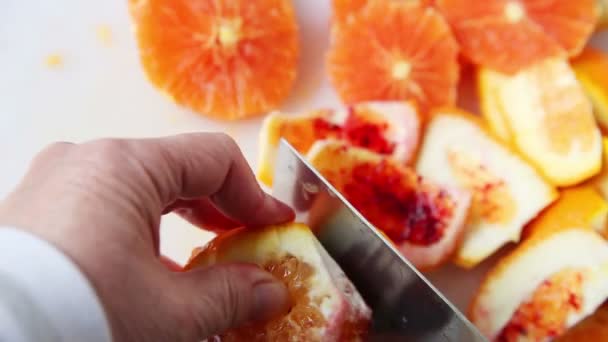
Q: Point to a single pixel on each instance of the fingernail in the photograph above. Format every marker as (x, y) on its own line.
(270, 300)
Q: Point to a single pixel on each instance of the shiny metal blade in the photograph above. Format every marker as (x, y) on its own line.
(405, 305)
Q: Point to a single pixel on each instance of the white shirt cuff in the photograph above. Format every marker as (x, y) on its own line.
(43, 294)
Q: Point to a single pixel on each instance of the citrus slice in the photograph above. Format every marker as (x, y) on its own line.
(546, 285)
(551, 121)
(389, 128)
(225, 59)
(325, 304)
(580, 206)
(346, 9)
(423, 220)
(488, 82)
(508, 35)
(592, 328)
(395, 50)
(591, 68)
(457, 151)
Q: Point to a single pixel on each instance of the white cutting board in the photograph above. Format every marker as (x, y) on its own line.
(100, 91)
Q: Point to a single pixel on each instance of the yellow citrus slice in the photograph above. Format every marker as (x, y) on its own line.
(325, 304)
(546, 285)
(591, 68)
(507, 192)
(551, 120)
(490, 105)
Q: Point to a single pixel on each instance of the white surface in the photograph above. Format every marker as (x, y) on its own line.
(101, 91)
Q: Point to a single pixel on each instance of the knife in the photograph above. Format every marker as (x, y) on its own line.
(406, 307)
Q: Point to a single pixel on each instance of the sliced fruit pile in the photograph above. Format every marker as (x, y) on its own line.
(325, 304)
(224, 59)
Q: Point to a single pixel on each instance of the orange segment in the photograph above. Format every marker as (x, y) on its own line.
(508, 35)
(591, 68)
(395, 51)
(225, 59)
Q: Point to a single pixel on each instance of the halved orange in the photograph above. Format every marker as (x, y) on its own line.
(344, 9)
(591, 68)
(395, 50)
(325, 304)
(224, 59)
(508, 35)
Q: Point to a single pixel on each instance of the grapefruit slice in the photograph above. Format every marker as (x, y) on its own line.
(225, 59)
(389, 128)
(592, 328)
(395, 50)
(509, 35)
(457, 151)
(325, 304)
(423, 220)
(580, 206)
(551, 121)
(545, 286)
(591, 68)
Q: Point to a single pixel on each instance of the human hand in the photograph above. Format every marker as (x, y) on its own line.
(101, 202)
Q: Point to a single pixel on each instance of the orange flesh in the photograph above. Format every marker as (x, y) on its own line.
(368, 61)
(492, 199)
(544, 315)
(226, 59)
(303, 319)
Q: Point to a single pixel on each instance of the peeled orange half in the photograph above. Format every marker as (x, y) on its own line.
(395, 50)
(224, 59)
(425, 221)
(457, 151)
(389, 128)
(325, 304)
(545, 286)
(508, 35)
(550, 119)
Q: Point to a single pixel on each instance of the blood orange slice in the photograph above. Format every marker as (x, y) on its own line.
(325, 304)
(424, 220)
(508, 35)
(394, 50)
(389, 128)
(457, 151)
(225, 59)
(545, 286)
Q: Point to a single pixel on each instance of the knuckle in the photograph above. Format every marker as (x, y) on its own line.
(56, 148)
(106, 150)
(227, 142)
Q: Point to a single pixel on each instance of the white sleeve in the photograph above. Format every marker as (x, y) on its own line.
(43, 294)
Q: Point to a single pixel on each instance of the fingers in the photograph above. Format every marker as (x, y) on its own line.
(233, 294)
(209, 165)
(204, 214)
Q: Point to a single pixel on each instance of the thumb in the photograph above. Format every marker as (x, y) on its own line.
(226, 296)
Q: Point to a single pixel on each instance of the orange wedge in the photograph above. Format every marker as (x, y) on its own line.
(591, 68)
(325, 304)
(425, 221)
(225, 59)
(550, 119)
(545, 286)
(580, 206)
(602, 6)
(457, 151)
(509, 35)
(389, 128)
(395, 50)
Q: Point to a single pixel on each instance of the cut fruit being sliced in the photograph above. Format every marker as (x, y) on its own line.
(591, 68)
(580, 206)
(551, 120)
(508, 35)
(325, 304)
(395, 50)
(546, 285)
(225, 59)
(389, 128)
(457, 151)
(423, 220)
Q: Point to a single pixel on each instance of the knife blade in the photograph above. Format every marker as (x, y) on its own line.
(405, 305)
